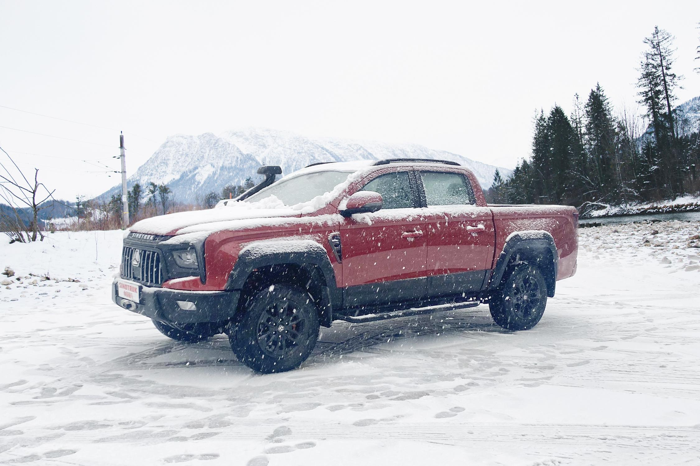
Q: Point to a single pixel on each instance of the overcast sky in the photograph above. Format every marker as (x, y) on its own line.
(465, 77)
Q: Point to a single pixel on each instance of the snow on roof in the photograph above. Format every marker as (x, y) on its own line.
(354, 166)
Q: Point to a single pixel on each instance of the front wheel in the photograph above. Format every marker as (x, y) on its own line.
(277, 331)
(189, 333)
(520, 301)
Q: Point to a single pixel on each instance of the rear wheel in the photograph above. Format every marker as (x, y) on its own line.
(521, 299)
(190, 333)
(277, 330)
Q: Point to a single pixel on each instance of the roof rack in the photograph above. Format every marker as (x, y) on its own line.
(388, 161)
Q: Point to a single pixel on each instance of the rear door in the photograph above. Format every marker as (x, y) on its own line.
(461, 234)
(384, 253)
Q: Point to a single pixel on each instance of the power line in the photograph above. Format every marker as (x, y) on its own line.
(48, 156)
(73, 121)
(57, 118)
(103, 165)
(97, 164)
(57, 137)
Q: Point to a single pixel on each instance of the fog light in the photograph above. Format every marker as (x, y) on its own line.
(187, 306)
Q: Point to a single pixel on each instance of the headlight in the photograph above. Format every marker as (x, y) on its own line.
(186, 258)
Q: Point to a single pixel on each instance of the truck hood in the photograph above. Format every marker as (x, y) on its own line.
(225, 217)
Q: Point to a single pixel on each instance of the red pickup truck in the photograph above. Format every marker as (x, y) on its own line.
(356, 241)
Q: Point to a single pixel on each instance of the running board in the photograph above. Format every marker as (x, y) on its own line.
(405, 313)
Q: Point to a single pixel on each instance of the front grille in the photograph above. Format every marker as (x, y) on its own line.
(142, 266)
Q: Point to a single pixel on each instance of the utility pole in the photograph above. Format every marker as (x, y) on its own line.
(125, 203)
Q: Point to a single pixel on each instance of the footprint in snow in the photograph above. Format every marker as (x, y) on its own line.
(451, 413)
(258, 461)
(365, 422)
(281, 449)
(188, 457)
(13, 384)
(59, 453)
(299, 407)
(24, 459)
(280, 432)
(289, 448)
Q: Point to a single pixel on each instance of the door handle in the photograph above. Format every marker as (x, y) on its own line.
(476, 229)
(411, 235)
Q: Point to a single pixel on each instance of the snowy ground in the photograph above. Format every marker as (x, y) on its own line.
(610, 375)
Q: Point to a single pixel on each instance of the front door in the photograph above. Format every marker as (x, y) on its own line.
(384, 253)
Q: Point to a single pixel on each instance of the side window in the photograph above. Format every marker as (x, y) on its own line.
(446, 189)
(395, 189)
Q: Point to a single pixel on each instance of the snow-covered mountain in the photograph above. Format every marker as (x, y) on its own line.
(193, 166)
(688, 117)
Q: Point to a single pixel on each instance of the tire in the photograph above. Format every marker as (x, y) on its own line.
(277, 330)
(189, 333)
(521, 299)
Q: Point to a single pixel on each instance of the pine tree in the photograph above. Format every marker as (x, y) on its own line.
(211, 199)
(134, 201)
(115, 206)
(656, 85)
(80, 207)
(152, 192)
(519, 187)
(561, 139)
(581, 185)
(541, 161)
(626, 156)
(600, 145)
(164, 194)
(496, 190)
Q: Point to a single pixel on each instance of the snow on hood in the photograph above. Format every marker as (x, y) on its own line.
(172, 223)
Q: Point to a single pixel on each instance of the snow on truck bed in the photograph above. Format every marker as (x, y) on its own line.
(610, 375)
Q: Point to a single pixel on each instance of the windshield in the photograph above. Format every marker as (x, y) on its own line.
(302, 188)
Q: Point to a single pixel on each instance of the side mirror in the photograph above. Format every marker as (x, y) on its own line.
(362, 202)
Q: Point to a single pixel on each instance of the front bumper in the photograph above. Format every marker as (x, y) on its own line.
(161, 304)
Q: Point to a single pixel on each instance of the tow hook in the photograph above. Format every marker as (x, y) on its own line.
(128, 305)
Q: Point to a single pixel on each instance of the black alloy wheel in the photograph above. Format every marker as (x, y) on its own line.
(521, 300)
(280, 328)
(277, 330)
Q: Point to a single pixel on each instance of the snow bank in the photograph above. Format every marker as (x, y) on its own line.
(680, 204)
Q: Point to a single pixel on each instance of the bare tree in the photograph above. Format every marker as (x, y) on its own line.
(698, 54)
(16, 191)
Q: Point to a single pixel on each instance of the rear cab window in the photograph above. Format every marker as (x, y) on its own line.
(446, 188)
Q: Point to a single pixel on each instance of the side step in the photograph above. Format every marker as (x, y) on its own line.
(405, 313)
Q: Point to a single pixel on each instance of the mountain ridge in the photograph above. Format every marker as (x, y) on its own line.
(193, 166)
